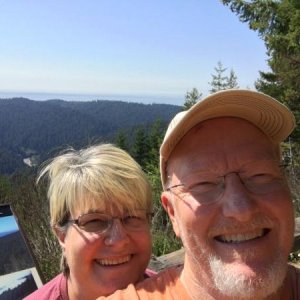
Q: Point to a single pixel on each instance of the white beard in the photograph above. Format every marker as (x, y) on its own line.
(240, 286)
(224, 279)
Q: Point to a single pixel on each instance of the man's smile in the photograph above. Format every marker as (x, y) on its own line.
(242, 237)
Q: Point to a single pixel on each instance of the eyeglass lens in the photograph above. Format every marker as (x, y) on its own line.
(98, 222)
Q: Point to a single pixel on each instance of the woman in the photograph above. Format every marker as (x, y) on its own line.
(100, 207)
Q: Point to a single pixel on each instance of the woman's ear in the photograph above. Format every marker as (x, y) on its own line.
(60, 234)
(168, 205)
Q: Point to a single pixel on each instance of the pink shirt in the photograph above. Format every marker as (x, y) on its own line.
(57, 288)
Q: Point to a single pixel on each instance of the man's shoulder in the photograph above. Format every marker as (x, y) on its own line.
(51, 290)
(163, 286)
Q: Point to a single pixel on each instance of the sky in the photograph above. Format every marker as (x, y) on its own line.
(12, 280)
(135, 50)
(7, 225)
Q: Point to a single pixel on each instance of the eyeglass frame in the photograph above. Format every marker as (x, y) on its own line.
(110, 221)
(222, 184)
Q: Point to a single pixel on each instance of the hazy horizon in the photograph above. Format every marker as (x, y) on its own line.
(149, 51)
(145, 99)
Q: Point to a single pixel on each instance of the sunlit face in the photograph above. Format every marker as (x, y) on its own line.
(102, 263)
(237, 246)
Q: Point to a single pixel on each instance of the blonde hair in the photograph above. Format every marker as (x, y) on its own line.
(100, 176)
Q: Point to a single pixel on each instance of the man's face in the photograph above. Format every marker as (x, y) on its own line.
(238, 243)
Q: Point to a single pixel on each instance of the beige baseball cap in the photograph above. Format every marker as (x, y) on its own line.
(271, 116)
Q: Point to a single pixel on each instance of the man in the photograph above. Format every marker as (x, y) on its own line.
(228, 201)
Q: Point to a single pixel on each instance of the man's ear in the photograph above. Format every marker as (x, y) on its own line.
(168, 205)
(61, 235)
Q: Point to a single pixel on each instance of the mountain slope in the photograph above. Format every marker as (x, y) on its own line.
(37, 127)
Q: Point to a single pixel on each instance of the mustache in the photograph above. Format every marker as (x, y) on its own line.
(231, 225)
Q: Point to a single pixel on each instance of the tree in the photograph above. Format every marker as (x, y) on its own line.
(220, 81)
(191, 98)
(121, 140)
(278, 24)
(140, 146)
(232, 80)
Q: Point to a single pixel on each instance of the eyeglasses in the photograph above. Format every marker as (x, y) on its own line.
(208, 190)
(99, 223)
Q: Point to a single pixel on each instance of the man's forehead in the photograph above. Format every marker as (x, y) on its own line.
(223, 136)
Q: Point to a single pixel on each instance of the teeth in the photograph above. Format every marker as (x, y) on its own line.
(113, 261)
(241, 237)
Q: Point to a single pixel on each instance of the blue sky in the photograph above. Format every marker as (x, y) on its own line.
(133, 47)
(7, 225)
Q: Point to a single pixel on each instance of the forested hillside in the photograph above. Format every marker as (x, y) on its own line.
(38, 129)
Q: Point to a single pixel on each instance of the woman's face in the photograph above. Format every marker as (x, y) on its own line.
(101, 263)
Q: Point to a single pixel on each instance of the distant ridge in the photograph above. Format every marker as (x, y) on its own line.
(37, 128)
(137, 98)
(13, 254)
(7, 233)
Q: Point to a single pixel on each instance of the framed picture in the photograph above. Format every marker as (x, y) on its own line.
(19, 275)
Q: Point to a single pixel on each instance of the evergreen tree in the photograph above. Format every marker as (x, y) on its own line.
(232, 80)
(219, 80)
(191, 98)
(140, 147)
(121, 140)
(278, 24)
(155, 138)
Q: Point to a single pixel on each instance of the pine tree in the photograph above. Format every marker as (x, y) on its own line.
(232, 80)
(219, 80)
(140, 147)
(121, 140)
(191, 98)
(278, 24)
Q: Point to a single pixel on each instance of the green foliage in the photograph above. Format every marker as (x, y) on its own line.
(40, 129)
(294, 257)
(140, 147)
(31, 208)
(121, 140)
(164, 241)
(220, 81)
(278, 24)
(5, 189)
(291, 155)
(191, 98)
(232, 80)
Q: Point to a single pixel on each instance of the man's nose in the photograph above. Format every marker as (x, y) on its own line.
(237, 201)
(117, 234)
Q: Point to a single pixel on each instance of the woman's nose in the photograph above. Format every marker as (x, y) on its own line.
(117, 234)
